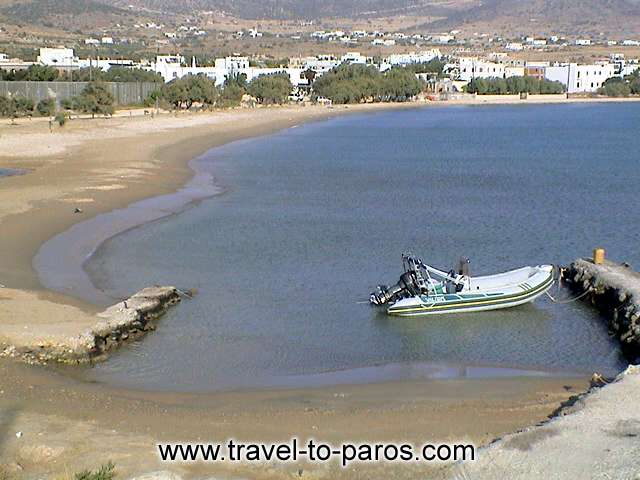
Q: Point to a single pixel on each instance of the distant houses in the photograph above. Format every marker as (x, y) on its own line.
(460, 69)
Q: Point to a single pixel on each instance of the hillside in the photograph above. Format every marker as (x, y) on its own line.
(63, 14)
(568, 17)
(617, 18)
(291, 9)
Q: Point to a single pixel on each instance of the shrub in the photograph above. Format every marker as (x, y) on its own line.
(358, 83)
(513, 85)
(184, 92)
(94, 99)
(23, 106)
(615, 87)
(46, 107)
(105, 472)
(61, 118)
(270, 89)
(7, 107)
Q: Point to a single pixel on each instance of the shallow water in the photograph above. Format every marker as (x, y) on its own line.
(9, 172)
(314, 217)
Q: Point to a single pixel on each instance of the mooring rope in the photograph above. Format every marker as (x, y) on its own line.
(560, 302)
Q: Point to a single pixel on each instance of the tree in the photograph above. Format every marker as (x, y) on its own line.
(7, 107)
(433, 66)
(513, 85)
(46, 107)
(35, 73)
(270, 89)
(399, 85)
(309, 75)
(349, 83)
(615, 87)
(22, 106)
(94, 99)
(124, 74)
(184, 92)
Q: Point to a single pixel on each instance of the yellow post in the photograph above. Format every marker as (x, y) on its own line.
(598, 256)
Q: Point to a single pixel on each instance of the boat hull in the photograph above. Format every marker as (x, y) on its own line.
(470, 301)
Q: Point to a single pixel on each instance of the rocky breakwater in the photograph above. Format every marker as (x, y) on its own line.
(119, 323)
(614, 289)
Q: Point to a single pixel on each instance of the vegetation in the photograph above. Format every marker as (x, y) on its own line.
(61, 118)
(94, 99)
(359, 83)
(271, 89)
(46, 107)
(114, 74)
(184, 92)
(434, 66)
(513, 85)
(232, 91)
(35, 73)
(105, 472)
(16, 107)
(621, 87)
(42, 73)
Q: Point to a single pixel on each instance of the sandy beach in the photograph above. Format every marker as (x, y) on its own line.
(65, 425)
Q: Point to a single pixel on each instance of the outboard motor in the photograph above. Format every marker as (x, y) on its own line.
(411, 283)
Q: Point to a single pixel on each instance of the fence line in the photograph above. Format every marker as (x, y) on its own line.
(124, 93)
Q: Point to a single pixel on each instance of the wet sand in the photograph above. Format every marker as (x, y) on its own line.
(101, 165)
(67, 425)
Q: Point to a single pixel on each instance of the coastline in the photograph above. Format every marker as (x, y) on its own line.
(162, 169)
(83, 171)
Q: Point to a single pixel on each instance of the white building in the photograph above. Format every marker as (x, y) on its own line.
(413, 57)
(58, 57)
(471, 67)
(353, 57)
(580, 78)
(583, 42)
(91, 41)
(513, 71)
(514, 46)
(106, 40)
(443, 39)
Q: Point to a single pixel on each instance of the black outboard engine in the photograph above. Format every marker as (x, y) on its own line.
(411, 283)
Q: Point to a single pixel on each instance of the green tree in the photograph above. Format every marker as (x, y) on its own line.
(184, 92)
(271, 89)
(35, 73)
(433, 66)
(124, 74)
(513, 85)
(22, 106)
(94, 99)
(615, 87)
(7, 107)
(46, 107)
(399, 85)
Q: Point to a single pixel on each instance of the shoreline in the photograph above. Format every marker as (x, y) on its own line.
(155, 164)
(126, 423)
(200, 185)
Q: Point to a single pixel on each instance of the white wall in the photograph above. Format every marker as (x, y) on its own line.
(580, 78)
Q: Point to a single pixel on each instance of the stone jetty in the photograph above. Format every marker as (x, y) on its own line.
(614, 289)
(119, 323)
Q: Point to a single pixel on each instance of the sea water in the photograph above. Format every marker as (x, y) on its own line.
(313, 218)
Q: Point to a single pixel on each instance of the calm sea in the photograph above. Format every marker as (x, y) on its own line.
(314, 217)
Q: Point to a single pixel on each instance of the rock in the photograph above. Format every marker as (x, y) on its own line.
(598, 380)
(115, 325)
(40, 453)
(161, 475)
